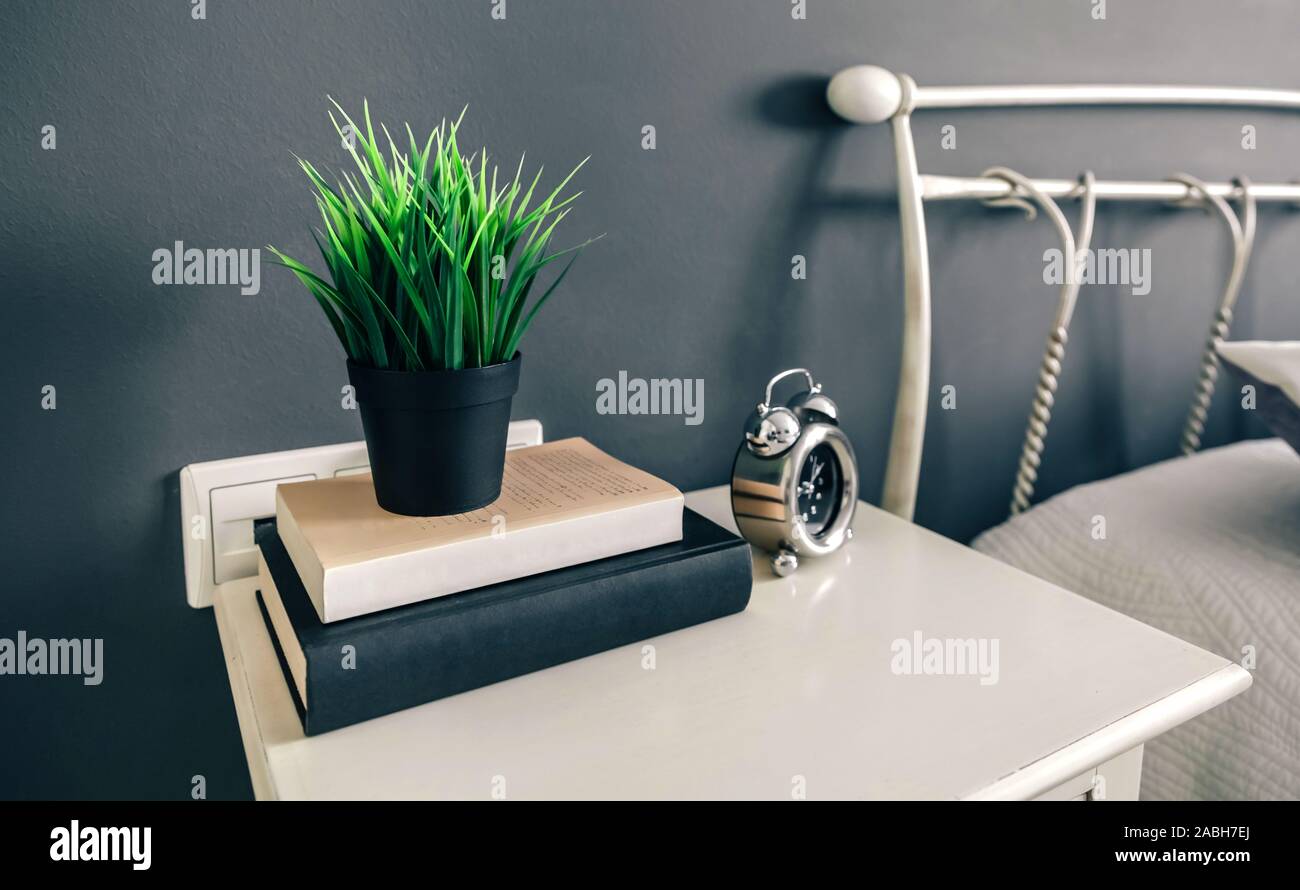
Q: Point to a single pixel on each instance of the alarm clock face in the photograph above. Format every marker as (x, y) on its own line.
(820, 483)
(801, 500)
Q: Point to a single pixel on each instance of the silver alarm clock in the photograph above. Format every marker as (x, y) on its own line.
(794, 484)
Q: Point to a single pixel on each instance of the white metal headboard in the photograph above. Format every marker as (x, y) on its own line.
(866, 94)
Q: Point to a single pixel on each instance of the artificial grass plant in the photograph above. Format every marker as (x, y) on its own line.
(432, 261)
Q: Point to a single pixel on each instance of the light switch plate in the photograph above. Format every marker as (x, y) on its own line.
(221, 499)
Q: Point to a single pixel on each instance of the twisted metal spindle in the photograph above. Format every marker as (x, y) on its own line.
(1243, 239)
(1040, 415)
(1206, 379)
(1040, 411)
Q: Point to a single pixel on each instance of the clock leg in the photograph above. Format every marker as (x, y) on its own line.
(784, 562)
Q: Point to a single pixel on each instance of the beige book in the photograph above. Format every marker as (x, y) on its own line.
(562, 503)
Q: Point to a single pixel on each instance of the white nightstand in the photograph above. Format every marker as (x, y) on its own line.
(796, 695)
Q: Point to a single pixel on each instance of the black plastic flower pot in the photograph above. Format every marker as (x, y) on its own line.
(437, 439)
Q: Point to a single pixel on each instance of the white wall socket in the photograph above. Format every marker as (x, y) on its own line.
(221, 499)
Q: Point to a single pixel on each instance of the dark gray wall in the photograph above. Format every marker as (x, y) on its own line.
(173, 129)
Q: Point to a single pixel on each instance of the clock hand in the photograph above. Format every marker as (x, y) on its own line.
(809, 485)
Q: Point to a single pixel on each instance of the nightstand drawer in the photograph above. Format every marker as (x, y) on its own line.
(1117, 779)
(1077, 788)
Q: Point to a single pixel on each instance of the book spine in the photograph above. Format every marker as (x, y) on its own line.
(397, 666)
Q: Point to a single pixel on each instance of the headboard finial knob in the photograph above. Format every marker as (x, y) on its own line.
(865, 94)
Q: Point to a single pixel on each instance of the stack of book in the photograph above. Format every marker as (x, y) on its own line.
(371, 612)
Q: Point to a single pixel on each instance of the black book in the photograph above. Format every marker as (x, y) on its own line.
(414, 654)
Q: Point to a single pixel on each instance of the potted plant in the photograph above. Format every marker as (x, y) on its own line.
(431, 260)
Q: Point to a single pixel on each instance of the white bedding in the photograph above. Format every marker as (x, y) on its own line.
(1206, 548)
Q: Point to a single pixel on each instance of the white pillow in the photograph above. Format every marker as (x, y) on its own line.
(1274, 368)
(1277, 363)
